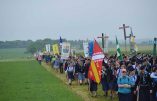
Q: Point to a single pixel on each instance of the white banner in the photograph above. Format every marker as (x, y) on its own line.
(86, 49)
(65, 50)
(48, 48)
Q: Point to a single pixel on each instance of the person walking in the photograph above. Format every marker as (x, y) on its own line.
(143, 85)
(70, 71)
(124, 86)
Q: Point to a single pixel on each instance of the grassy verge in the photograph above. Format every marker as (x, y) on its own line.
(28, 81)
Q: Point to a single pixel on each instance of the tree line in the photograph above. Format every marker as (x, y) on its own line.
(33, 46)
(15, 44)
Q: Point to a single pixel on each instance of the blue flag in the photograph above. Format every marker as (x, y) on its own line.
(60, 40)
(90, 45)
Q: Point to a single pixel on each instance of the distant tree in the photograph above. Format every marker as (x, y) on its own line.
(15, 44)
(34, 46)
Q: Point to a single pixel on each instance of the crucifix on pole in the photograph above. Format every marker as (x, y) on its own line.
(125, 37)
(104, 40)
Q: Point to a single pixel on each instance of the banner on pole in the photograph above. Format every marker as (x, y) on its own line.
(65, 50)
(55, 49)
(48, 48)
(86, 49)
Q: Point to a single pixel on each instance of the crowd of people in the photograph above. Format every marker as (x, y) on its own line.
(133, 79)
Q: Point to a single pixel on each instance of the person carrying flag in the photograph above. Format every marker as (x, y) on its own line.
(94, 73)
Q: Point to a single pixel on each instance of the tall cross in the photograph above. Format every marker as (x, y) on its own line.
(104, 38)
(124, 29)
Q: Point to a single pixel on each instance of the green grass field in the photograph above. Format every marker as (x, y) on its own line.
(14, 53)
(28, 81)
(23, 79)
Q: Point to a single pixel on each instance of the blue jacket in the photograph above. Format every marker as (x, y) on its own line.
(124, 80)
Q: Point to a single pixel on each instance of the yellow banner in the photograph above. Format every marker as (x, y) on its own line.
(55, 49)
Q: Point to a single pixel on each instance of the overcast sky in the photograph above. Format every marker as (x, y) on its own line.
(76, 19)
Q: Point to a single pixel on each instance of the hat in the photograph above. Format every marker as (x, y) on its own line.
(142, 67)
(131, 68)
(139, 61)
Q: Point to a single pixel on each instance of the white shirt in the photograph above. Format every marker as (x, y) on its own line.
(70, 69)
(153, 75)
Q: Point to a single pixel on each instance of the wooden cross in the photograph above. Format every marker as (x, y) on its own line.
(104, 38)
(124, 29)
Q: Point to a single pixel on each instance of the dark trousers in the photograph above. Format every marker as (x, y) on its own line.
(144, 94)
(154, 95)
(124, 97)
(134, 97)
(61, 68)
(93, 86)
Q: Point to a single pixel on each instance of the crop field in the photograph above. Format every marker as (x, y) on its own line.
(14, 53)
(147, 49)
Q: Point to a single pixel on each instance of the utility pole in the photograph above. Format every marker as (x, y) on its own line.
(104, 40)
(125, 37)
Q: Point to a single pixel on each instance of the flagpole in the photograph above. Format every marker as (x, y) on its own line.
(60, 45)
(119, 54)
(154, 49)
